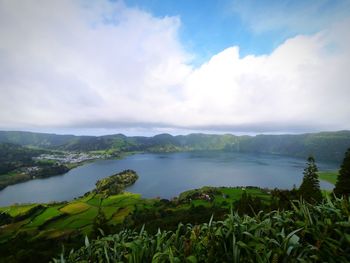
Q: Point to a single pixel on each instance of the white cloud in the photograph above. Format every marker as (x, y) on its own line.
(64, 64)
(304, 82)
(104, 65)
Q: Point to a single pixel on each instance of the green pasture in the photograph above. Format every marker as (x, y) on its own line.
(330, 177)
(55, 220)
(48, 214)
(119, 217)
(75, 208)
(16, 210)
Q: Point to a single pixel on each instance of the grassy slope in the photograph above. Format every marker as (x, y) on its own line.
(330, 177)
(17, 210)
(55, 220)
(76, 215)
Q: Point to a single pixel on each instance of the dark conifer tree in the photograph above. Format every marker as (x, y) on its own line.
(342, 187)
(310, 187)
(100, 223)
(248, 205)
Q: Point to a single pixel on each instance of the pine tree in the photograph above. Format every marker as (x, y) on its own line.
(310, 187)
(342, 187)
(100, 223)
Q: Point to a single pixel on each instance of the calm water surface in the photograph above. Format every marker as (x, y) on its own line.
(166, 175)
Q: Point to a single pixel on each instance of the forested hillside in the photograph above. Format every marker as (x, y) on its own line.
(329, 146)
(35, 139)
(17, 164)
(13, 156)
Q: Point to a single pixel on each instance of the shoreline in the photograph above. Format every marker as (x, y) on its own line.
(69, 166)
(26, 177)
(125, 155)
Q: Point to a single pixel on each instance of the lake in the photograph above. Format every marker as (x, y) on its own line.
(166, 175)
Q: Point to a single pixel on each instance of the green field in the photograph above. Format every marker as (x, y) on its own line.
(55, 220)
(67, 223)
(75, 208)
(236, 193)
(330, 177)
(49, 213)
(17, 210)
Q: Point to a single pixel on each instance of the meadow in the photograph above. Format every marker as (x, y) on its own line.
(330, 177)
(61, 219)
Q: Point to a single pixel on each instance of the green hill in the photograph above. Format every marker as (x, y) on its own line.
(43, 140)
(29, 232)
(329, 146)
(13, 156)
(17, 164)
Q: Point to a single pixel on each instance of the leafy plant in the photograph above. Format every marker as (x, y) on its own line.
(307, 233)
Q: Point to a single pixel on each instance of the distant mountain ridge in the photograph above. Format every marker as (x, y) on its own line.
(329, 146)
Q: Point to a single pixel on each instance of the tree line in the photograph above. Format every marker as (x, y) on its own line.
(310, 187)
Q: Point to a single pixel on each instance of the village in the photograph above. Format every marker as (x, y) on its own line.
(70, 157)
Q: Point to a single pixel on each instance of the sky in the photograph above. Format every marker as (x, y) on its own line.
(160, 66)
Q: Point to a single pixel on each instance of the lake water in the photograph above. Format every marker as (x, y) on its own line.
(166, 175)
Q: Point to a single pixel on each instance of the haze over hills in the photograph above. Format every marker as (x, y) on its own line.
(329, 146)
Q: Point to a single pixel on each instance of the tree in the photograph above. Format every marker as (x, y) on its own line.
(100, 223)
(342, 187)
(310, 187)
(248, 205)
(281, 199)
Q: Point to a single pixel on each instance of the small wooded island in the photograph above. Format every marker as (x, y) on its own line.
(116, 183)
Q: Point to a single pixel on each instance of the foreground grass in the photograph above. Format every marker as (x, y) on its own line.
(308, 233)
